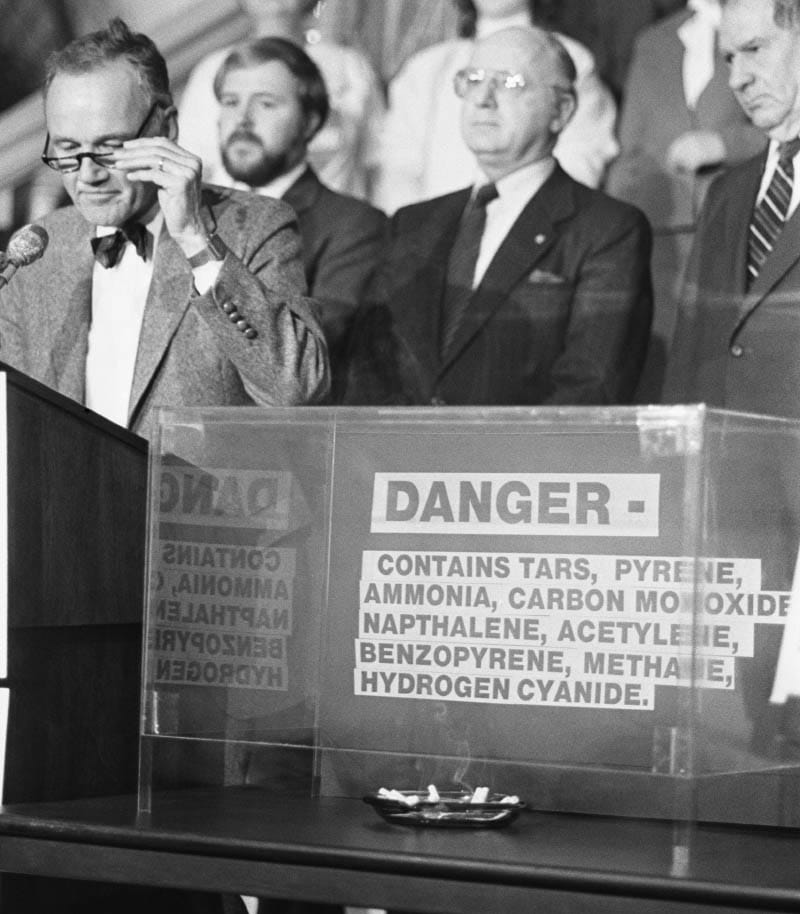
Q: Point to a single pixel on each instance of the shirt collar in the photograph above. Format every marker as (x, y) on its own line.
(278, 186)
(152, 221)
(773, 152)
(518, 181)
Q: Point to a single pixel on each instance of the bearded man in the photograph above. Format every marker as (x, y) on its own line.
(273, 102)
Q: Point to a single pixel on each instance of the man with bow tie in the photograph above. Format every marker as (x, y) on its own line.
(154, 290)
(528, 288)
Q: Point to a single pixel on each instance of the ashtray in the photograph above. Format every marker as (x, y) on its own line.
(447, 809)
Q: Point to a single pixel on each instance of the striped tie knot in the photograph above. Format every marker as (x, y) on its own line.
(771, 210)
(788, 150)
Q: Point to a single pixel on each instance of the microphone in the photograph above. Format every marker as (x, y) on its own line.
(26, 245)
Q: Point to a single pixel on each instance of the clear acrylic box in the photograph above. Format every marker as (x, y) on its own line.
(582, 607)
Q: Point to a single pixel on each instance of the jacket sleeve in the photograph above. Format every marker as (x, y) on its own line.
(262, 322)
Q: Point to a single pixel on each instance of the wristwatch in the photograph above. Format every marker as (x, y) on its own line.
(215, 250)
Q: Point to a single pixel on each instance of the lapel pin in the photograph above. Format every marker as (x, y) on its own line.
(540, 239)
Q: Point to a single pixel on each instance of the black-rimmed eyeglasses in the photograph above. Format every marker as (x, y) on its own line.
(105, 159)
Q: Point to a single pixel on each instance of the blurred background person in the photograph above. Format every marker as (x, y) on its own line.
(608, 28)
(344, 152)
(273, 103)
(680, 126)
(422, 151)
(32, 29)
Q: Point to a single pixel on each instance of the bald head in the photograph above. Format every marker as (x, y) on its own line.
(517, 96)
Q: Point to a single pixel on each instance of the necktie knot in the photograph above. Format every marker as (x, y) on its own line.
(485, 194)
(108, 248)
(788, 150)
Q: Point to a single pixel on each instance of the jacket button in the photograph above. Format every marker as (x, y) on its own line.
(737, 351)
(250, 334)
(228, 306)
(242, 325)
(234, 316)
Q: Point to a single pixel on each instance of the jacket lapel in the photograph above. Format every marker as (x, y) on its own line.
(781, 259)
(425, 263)
(305, 191)
(168, 298)
(530, 238)
(70, 313)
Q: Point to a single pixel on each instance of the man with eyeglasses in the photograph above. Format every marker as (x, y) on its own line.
(526, 289)
(154, 290)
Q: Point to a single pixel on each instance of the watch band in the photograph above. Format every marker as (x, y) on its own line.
(215, 250)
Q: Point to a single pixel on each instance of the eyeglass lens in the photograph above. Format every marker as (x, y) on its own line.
(106, 158)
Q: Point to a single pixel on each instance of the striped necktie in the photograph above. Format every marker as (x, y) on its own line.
(770, 213)
(461, 265)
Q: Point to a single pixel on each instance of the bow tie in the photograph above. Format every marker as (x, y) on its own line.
(108, 248)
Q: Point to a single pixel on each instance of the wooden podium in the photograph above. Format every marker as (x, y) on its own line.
(76, 495)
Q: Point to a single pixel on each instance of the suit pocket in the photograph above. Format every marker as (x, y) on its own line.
(545, 278)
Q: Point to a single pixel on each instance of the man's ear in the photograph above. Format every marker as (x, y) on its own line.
(170, 120)
(565, 107)
(313, 123)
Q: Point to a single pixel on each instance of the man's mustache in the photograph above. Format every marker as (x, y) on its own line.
(242, 133)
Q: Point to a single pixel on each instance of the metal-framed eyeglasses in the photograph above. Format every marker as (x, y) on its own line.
(106, 158)
(466, 81)
(500, 82)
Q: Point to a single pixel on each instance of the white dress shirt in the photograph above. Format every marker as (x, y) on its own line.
(514, 192)
(119, 296)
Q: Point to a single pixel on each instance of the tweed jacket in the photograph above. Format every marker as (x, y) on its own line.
(191, 352)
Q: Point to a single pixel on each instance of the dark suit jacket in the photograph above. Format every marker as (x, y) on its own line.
(737, 349)
(654, 113)
(342, 238)
(190, 352)
(562, 315)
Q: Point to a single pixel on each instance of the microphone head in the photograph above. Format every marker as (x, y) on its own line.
(26, 245)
